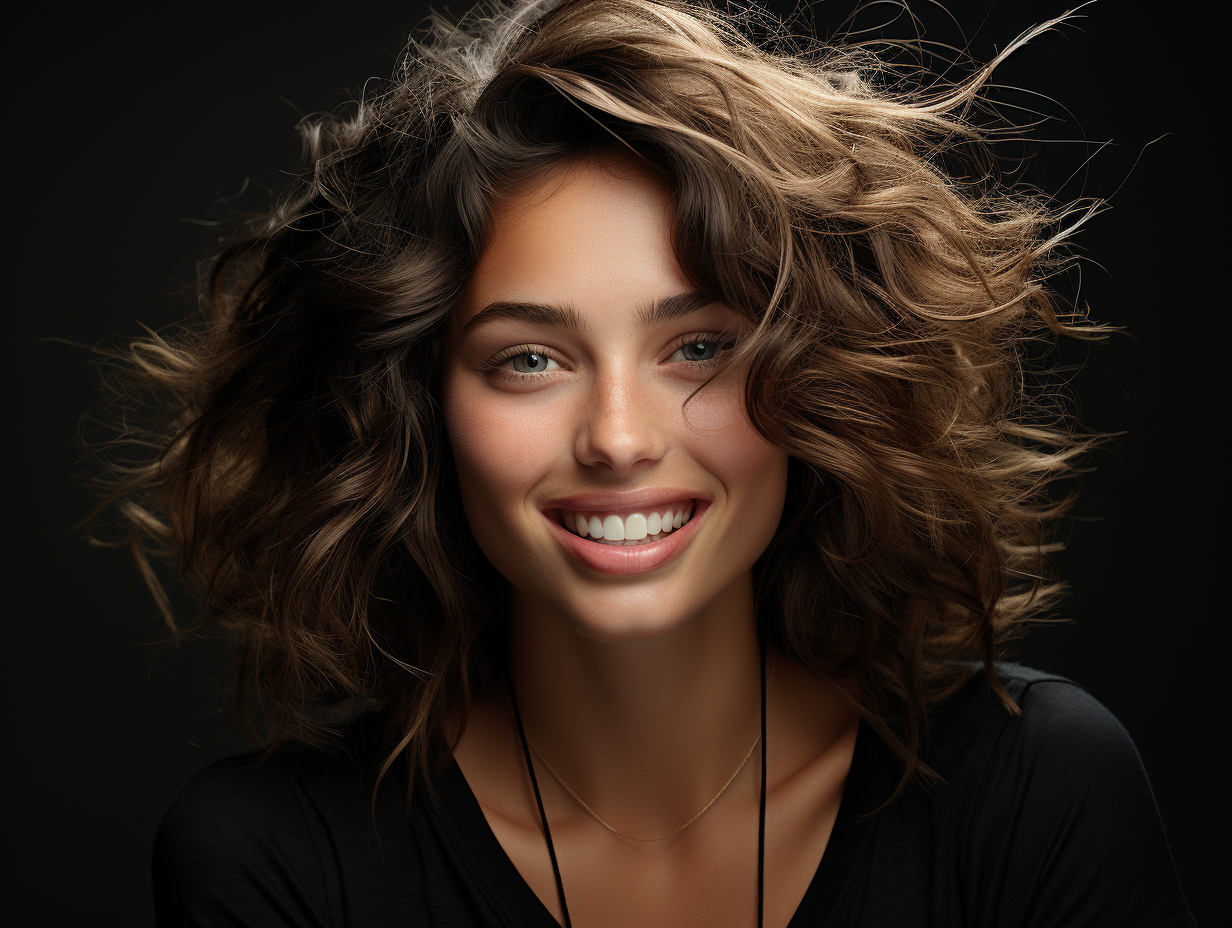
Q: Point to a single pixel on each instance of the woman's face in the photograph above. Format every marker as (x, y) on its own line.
(603, 499)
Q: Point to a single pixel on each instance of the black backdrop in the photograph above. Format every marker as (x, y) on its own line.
(125, 129)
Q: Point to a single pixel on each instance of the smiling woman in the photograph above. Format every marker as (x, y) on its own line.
(635, 415)
(627, 524)
(619, 464)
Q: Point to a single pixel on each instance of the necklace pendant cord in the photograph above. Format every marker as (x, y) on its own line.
(761, 814)
(761, 804)
(543, 816)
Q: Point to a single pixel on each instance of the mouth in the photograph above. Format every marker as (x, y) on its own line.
(631, 539)
(627, 528)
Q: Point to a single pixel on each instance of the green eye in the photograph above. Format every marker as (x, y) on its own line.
(531, 362)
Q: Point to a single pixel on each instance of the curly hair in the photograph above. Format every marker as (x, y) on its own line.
(301, 479)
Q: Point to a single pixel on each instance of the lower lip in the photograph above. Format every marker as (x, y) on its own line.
(629, 559)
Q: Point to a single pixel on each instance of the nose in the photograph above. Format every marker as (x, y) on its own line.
(619, 428)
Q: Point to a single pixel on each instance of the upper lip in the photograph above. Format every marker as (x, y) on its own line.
(604, 500)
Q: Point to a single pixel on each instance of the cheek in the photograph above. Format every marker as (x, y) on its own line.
(500, 448)
(753, 471)
(724, 439)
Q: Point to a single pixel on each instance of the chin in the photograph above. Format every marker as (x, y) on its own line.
(609, 629)
(613, 616)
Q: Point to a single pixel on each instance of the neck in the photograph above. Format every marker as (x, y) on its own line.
(644, 731)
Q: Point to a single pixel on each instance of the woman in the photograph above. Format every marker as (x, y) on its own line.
(618, 464)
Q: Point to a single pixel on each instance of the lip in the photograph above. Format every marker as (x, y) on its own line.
(601, 500)
(626, 559)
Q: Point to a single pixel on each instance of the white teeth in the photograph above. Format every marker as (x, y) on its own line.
(613, 529)
(635, 528)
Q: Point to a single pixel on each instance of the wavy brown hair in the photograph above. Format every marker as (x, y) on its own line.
(299, 475)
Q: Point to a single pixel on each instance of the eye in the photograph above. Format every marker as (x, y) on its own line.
(702, 348)
(532, 362)
(523, 359)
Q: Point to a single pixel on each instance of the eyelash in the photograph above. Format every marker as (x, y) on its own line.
(722, 340)
(497, 361)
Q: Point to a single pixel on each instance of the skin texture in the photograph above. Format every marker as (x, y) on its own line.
(640, 689)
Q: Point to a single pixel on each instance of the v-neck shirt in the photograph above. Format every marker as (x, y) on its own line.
(1045, 818)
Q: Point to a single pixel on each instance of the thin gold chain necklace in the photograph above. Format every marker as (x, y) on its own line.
(591, 812)
(761, 804)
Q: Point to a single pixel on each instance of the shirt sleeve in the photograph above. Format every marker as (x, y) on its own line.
(234, 849)
(1066, 830)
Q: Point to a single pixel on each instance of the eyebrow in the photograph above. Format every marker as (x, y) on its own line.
(676, 306)
(565, 317)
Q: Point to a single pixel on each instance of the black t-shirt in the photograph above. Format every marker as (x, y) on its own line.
(1042, 819)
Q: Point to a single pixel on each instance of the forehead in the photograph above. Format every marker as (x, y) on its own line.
(588, 234)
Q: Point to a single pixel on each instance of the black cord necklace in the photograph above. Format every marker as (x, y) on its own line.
(761, 814)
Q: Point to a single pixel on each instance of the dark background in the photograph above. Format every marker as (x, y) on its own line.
(125, 129)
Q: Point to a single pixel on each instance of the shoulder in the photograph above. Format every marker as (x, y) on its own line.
(1064, 753)
(1052, 809)
(1058, 721)
(229, 789)
(234, 798)
(1066, 733)
(243, 843)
